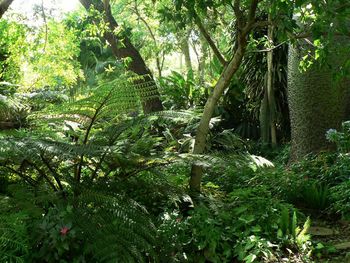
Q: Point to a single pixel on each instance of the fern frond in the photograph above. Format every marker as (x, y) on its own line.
(13, 237)
(118, 229)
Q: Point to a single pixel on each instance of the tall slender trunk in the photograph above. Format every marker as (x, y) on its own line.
(185, 49)
(243, 28)
(203, 128)
(267, 115)
(123, 48)
(202, 59)
(264, 118)
(270, 88)
(4, 5)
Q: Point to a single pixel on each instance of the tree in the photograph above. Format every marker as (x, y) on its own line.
(317, 101)
(122, 48)
(318, 96)
(4, 5)
(245, 22)
(319, 17)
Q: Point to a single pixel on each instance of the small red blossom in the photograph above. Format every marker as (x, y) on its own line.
(64, 231)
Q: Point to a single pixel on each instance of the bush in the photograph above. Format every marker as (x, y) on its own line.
(246, 225)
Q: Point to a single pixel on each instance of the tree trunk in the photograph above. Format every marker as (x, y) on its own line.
(4, 5)
(209, 40)
(316, 101)
(264, 119)
(270, 89)
(203, 128)
(242, 30)
(123, 48)
(185, 49)
(202, 60)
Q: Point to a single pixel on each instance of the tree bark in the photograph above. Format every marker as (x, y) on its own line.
(4, 5)
(185, 49)
(209, 40)
(123, 48)
(270, 89)
(316, 101)
(203, 128)
(242, 30)
(202, 61)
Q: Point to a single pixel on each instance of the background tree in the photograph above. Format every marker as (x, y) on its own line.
(122, 48)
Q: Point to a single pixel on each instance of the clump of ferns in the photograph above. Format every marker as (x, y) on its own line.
(14, 243)
(102, 142)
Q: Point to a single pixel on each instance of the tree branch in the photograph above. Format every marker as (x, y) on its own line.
(54, 173)
(4, 5)
(43, 174)
(209, 40)
(251, 17)
(28, 179)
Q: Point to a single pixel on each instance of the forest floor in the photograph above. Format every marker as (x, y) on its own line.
(332, 239)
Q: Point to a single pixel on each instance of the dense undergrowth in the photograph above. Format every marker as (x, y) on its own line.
(86, 183)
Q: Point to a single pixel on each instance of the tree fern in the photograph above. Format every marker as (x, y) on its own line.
(117, 228)
(13, 237)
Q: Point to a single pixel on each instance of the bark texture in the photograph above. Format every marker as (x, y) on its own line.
(123, 48)
(316, 101)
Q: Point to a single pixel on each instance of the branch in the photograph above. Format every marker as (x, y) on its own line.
(28, 179)
(54, 174)
(86, 138)
(43, 174)
(239, 15)
(267, 49)
(209, 40)
(251, 17)
(139, 16)
(4, 5)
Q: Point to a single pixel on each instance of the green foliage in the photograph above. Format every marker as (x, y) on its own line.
(340, 138)
(13, 113)
(340, 199)
(14, 240)
(289, 230)
(181, 92)
(54, 238)
(13, 46)
(315, 195)
(53, 56)
(245, 226)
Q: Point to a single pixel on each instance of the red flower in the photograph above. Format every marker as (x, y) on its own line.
(64, 231)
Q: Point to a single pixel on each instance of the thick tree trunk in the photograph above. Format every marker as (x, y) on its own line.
(316, 101)
(4, 5)
(123, 48)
